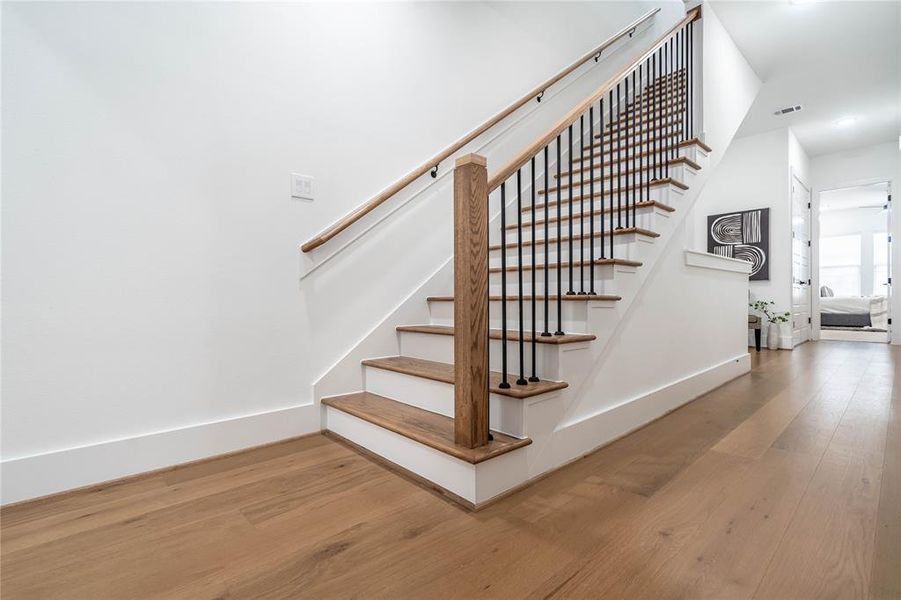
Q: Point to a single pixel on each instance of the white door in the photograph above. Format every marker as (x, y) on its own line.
(800, 262)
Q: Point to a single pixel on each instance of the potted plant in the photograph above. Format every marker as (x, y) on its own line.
(774, 319)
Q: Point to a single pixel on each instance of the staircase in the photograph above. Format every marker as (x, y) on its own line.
(539, 286)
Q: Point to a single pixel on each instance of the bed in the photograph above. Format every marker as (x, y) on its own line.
(863, 312)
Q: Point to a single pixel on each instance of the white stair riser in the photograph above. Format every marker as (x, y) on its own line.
(441, 348)
(668, 195)
(645, 217)
(604, 279)
(505, 414)
(629, 246)
(574, 315)
(625, 182)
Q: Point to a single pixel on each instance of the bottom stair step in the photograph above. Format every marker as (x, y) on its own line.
(440, 371)
(428, 428)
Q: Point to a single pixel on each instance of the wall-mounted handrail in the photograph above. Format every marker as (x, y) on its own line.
(342, 224)
(566, 121)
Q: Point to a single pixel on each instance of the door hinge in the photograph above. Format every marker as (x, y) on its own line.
(808, 243)
(889, 197)
(808, 205)
(808, 282)
(889, 321)
(889, 239)
(890, 281)
(808, 319)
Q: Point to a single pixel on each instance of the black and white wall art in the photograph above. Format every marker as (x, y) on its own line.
(745, 235)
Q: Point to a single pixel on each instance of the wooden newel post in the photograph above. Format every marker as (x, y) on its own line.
(471, 301)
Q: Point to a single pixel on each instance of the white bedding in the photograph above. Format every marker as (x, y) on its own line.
(875, 306)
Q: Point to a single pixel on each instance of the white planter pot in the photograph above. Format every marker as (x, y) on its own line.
(773, 334)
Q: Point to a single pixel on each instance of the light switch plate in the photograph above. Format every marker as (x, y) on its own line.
(301, 186)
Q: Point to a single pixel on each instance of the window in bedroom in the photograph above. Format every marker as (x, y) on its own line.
(840, 264)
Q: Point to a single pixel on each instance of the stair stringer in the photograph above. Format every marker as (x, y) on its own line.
(575, 422)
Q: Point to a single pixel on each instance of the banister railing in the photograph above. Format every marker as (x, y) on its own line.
(643, 116)
(432, 164)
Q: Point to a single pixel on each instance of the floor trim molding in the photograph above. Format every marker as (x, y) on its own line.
(32, 477)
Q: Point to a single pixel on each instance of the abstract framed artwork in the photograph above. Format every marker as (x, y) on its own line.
(745, 235)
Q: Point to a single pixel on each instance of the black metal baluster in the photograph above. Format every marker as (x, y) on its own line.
(667, 69)
(534, 376)
(642, 125)
(591, 197)
(522, 351)
(691, 90)
(630, 141)
(649, 174)
(601, 178)
(504, 383)
(672, 123)
(570, 213)
(652, 144)
(559, 247)
(547, 246)
(635, 150)
(619, 163)
(684, 78)
(582, 204)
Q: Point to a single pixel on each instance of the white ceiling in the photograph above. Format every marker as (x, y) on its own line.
(837, 59)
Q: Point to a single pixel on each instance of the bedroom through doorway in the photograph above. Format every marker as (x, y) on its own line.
(855, 263)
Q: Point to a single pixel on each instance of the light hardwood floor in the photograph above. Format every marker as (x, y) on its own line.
(785, 483)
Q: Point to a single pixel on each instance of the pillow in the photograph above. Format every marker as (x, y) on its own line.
(826, 292)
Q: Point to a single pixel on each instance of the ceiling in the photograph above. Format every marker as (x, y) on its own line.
(837, 59)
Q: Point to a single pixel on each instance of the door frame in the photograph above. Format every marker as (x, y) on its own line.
(795, 177)
(815, 254)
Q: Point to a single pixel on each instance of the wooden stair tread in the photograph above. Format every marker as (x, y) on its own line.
(444, 372)
(611, 148)
(665, 125)
(540, 298)
(553, 265)
(423, 426)
(495, 334)
(597, 212)
(623, 231)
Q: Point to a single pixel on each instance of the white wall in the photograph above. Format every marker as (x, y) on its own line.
(729, 84)
(859, 166)
(754, 173)
(150, 261)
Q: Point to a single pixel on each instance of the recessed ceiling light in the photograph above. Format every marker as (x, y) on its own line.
(846, 122)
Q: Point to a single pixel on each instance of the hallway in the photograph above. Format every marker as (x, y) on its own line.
(784, 483)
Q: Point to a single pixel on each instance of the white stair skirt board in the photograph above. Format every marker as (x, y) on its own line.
(474, 484)
(37, 475)
(555, 444)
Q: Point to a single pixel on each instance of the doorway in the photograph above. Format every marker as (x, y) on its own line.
(855, 263)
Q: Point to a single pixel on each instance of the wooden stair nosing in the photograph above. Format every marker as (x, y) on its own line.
(540, 298)
(444, 372)
(497, 334)
(565, 239)
(658, 183)
(597, 262)
(423, 426)
(596, 213)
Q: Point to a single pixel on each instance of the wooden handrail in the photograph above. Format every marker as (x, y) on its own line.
(510, 168)
(339, 226)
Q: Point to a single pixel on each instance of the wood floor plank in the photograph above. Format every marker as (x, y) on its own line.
(810, 509)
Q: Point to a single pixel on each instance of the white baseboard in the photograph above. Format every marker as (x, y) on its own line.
(28, 477)
(588, 434)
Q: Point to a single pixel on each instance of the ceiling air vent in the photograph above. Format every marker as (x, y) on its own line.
(788, 109)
